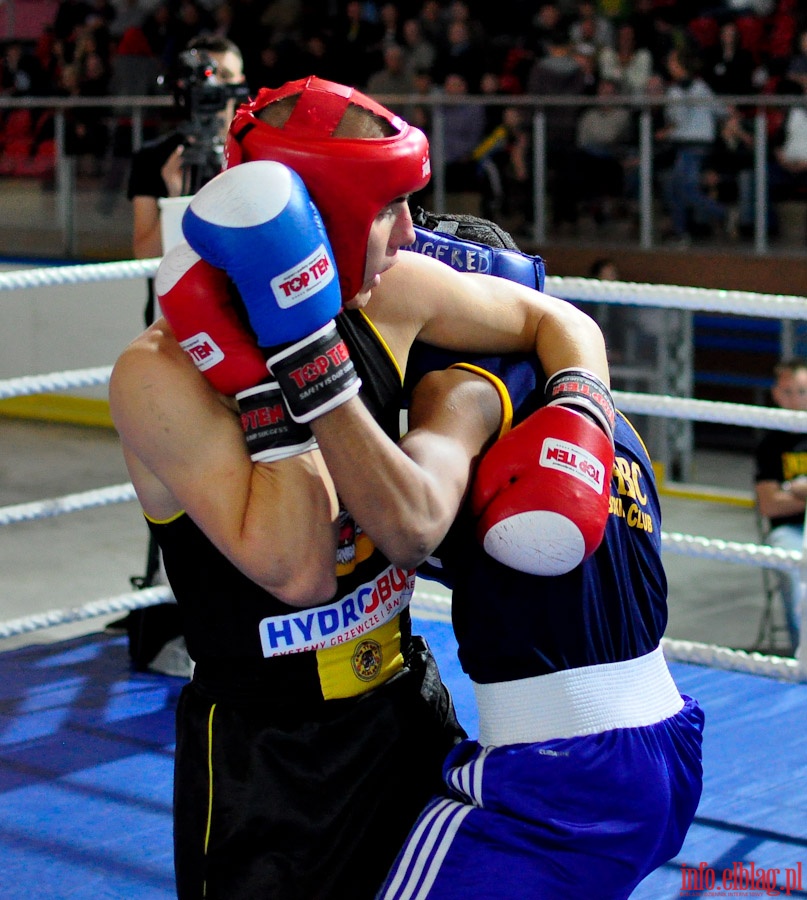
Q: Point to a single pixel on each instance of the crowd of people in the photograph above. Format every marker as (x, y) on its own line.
(578, 48)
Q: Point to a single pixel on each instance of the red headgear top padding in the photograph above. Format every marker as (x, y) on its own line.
(350, 179)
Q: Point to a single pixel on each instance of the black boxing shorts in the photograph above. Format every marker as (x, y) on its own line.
(302, 801)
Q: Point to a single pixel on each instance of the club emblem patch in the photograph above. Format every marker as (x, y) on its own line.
(366, 660)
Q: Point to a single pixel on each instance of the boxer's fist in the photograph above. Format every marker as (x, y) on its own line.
(541, 493)
(257, 222)
(194, 298)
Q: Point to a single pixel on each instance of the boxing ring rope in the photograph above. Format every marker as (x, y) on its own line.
(426, 604)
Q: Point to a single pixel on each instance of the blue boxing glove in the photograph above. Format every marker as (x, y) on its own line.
(258, 223)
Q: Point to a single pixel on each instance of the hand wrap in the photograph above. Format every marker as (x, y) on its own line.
(583, 390)
(315, 374)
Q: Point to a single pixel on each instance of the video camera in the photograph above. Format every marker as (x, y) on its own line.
(201, 97)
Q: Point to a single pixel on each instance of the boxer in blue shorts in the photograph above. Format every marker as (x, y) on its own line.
(586, 772)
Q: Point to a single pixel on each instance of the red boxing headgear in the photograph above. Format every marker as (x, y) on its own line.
(350, 179)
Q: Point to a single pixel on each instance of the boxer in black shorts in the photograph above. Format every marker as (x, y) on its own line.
(314, 726)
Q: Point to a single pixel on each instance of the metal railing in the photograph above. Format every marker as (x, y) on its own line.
(134, 108)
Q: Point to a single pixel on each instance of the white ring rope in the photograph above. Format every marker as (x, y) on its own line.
(121, 603)
(778, 306)
(432, 605)
(52, 276)
(56, 381)
(739, 303)
(437, 608)
(46, 509)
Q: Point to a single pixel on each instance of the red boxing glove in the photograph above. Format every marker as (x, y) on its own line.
(541, 493)
(195, 300)
(194, 297)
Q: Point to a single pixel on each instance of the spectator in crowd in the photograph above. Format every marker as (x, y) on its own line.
(585, 55)
(423, 85)
(729, 171)
(545, 24)
(604, 269)
(797, 69)
(657, 29)
(121, 16)
(728, 68)
(432, 24)
(159, 32)
(390, 25)
(21, 73)
(464, 129)
(589, 26)
(459, 54)
(459, 11)
(625, 63)
(394, 77)
(420, 52)
(318, 55)
(691, 129)
(502, 157)
(555, 74)
(605, 139)
(787, 167)
(591, 170)
(354, 40)
(781, 481)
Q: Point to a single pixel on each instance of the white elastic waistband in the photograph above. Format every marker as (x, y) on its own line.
(575, 702)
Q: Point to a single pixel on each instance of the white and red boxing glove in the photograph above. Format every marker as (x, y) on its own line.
(541, 493)
(257, 222)
(195, 300)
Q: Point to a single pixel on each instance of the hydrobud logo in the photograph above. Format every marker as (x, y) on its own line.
(743, 879)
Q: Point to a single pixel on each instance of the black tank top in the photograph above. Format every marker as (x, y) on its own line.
(222, 609)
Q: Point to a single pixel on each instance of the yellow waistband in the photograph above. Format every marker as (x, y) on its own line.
(362, 664)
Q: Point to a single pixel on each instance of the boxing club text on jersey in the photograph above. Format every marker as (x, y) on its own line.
(630, 501)
(370, 605)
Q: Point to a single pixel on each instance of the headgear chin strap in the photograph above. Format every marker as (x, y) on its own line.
(350, 179)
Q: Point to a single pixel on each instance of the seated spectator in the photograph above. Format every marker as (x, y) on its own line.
(420, 52)
(729, 171)
(394, 77)
(781, 481)
(591, 171)
(502, 157)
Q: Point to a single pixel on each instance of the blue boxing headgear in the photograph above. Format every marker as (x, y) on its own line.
(470, 244)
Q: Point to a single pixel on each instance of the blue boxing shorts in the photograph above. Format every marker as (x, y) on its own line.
(561, 819)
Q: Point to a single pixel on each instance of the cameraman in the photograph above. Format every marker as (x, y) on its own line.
(172, 166)
(158, 169)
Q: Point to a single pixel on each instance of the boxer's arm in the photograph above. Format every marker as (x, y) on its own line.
(406, 496)
(277, 522)
(480, 313)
